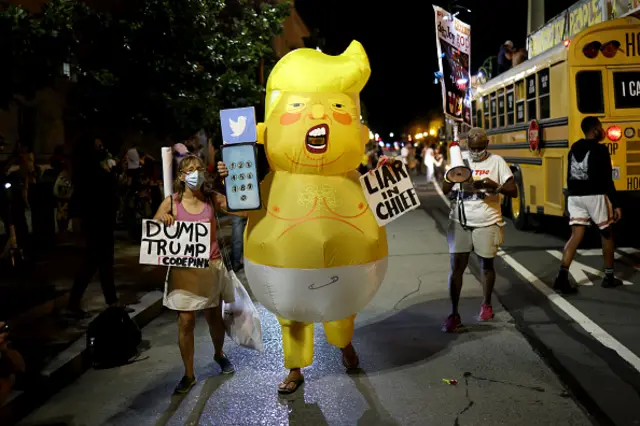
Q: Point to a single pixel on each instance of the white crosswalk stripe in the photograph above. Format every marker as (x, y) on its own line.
(578, 270)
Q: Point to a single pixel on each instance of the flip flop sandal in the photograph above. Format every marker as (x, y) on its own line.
(288, 390)
(348, 366)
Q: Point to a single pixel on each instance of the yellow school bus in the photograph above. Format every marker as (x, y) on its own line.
(597, 73)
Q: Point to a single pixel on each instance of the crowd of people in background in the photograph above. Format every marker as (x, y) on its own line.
(421, 160)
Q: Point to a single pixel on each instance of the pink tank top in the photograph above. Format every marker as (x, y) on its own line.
(206, 215)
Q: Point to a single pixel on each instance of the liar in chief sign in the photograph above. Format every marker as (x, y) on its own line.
(390, 192)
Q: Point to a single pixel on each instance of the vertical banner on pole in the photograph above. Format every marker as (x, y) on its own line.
(453, 39)
(167, 170)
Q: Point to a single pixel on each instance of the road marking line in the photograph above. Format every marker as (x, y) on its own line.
(628, 250)
(578, 270)
(441, 194)
(597, 252)
(581, 319)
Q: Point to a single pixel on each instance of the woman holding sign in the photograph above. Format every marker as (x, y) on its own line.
(189, 290)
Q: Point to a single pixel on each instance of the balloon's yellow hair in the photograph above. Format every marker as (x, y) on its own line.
(309, 70)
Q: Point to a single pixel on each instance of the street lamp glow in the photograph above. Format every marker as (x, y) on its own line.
(7, 185)
(371, 135)
(432, 132)
(377, 136)
(391, 134)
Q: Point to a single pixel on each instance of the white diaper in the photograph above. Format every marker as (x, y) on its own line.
(315, 295)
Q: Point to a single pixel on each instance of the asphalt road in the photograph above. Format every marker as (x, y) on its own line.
(404, 358)
(592, 339)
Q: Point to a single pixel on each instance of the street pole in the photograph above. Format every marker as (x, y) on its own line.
(535, 15)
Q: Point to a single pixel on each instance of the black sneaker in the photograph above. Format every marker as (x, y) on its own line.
(563, 285)
(611, 282)
(225, 365)
(185, 385)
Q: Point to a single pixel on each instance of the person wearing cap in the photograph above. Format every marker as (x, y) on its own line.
(475, 221)
(504, 57)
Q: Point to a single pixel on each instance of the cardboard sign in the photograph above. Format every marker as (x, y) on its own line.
(238, 125)
(389, 192)
(183, 244)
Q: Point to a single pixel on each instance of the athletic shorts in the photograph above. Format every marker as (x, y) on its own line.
(484, 241)
(590, 208)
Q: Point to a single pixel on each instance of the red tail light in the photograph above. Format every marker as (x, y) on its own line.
(614, 133)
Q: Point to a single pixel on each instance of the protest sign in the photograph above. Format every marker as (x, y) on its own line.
(183, 244)
(453, 40)
(389, 192)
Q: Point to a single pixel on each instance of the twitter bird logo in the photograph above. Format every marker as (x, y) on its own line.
(238, 127)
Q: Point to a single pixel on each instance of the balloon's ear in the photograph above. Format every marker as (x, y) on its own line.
(364, 138)
(262, 129)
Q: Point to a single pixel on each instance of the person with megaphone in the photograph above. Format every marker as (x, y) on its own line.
(474, 185)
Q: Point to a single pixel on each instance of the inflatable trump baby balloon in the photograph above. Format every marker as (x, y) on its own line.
(314, 253)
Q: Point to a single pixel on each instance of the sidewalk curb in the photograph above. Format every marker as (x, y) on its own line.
(68, 365)
(41, 310)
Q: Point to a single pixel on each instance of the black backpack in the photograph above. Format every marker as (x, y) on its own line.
(113, 338)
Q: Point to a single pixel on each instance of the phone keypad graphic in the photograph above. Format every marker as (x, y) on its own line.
(242, 184)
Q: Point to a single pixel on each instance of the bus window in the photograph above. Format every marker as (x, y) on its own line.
(494, 112)
(501, 108)
(626, 89)
(485, 108)
(520, 100)
(531, 98)
(478, 118)
(510, 106)
(543, 93)
(589, 91)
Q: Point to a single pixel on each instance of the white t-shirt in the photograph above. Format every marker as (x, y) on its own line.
(133, 159)
(484, 211)
(404, 152)
(429, 157)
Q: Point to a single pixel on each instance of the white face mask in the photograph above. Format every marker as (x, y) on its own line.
(478, 155)
(194, 180)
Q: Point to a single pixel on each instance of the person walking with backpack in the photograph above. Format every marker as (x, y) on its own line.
(189, 290)
(592, 198)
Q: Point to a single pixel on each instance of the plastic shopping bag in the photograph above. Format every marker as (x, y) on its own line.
(241, 318)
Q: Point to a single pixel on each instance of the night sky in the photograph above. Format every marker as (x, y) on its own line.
(399, 37)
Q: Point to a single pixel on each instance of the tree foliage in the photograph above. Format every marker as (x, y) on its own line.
(34, 48)
(160, 66)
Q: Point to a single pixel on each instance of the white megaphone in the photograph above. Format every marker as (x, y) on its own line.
(458, 172)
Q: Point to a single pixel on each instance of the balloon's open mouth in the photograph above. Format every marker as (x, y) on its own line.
(317, 139)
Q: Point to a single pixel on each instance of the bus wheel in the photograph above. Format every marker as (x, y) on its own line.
(518, 206)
